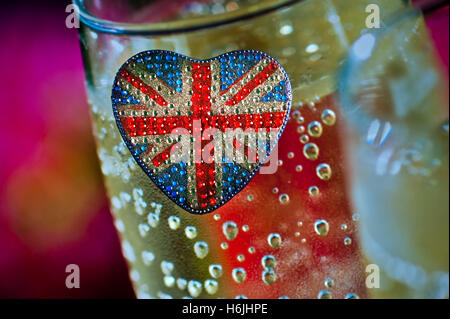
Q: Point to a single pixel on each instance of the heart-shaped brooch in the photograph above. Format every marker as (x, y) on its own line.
(200, 129)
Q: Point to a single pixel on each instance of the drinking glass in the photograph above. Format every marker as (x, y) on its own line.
(394, 97)
(291, 234)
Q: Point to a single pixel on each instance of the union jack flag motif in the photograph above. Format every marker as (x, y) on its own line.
(159, 97)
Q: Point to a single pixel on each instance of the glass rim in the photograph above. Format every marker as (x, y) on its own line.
(178, 26)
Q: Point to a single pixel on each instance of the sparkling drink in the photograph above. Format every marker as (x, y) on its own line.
(396, 105)
(288, 234)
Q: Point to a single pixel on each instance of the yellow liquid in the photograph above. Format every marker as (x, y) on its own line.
(309, 39)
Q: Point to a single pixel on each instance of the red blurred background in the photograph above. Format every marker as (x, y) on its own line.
(53, 209)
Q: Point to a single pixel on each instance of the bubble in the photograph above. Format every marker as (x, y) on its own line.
(245, 228)
(230, 230)
(275, 190)
(297, 234)
(303, 240)
(324, 294)
(355, 217)
(153, 220)
(224, 245)
(284, 198)
(241, 297)
(304, 139)
(344, 226)
(321, 227)
(268, 261)
(211, 286)
(239, 275)
(314, 191)
(269, 276)
(329, 282)
(167, 267)
(328, 117)
(191, 232)
(300, 120)
(174, 222)
(169, 281)
(240, 258)
(290, 155)
(315, 129)
(299, 223)
(216, 217)
(300, 129)
(251, 250)
(195, 288)
(201, 249)
(250, 197)
(311, 151)
(274, 240)
(280, 162)
(298, 168)
(181, 283)
(351, 295)
(323, 171)
(347, 241)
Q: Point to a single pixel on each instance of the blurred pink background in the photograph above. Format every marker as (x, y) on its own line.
(53, 209)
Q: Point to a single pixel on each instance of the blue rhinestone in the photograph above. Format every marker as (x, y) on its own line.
(166, 66)
(159, 73)
(244, 174)
(270, 94)
(170, 75)
(157, 65)
(174, 169)
(160, 180)
(284, 98)
(166, 176)
(230, 81)
(124, 93)
(282, 83)
(181, 200)
(173, 194)
(223, 60)
(147, 58)
(179, 89)
(158, 57)
(238, 181)
(240, 65)
(167, 57)
(277, 88)
(182, 164)
(174, 58)
(182, 173)
(181, 189)
(230, 179)
(223, 72)
(225, 169)
(170, 82)
(265, 99)
(230, 189)
(250, 57)
(169, 188)
(257, 57)
(117, 88)
(139, 60)
(223, 87)
(232, 65)
(174, 183)
(223, 66)
(241, 57)
(179, 82)
(178, 74)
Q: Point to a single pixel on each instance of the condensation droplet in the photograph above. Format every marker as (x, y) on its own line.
(230, 230)
(347, 241)
(329, 282)
(344, 226)
(215, 270)
(147, 257)
(201, 249)
(313, 191)
(328, 117)
(191, 232)
(245, 228)
(304, 139)
(298, 168)
(169, 281)
(251, 250)
(239, 275)
(224, 245)
(240, 258)
(290, 155)
(250, 197)
(211, 286)
(324, 294)
(321, 227)
(300, 129)
(351, 295)
(269, 276)
(275, 190)
(311, 151)
(268, 261)
(153, 220)
(194, 288)
(174, 222)
(167, 267)
(216, 217)
(274, 240)
(323, 171)
(284, 198)
(315, 129)
(181, 283)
